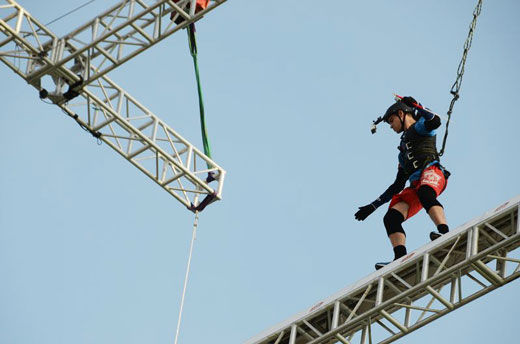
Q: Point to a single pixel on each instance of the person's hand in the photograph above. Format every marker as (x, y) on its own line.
(364, 212)
(410, 101)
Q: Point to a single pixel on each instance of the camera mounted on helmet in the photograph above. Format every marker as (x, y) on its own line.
(405, 104)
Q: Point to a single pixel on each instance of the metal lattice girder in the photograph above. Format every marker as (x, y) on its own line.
(446, 274)
(110, 39)
(107, 110)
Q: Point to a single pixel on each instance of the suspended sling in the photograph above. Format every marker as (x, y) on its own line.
(207, 150)
(205, 141)
(193, 50)
(460, 71)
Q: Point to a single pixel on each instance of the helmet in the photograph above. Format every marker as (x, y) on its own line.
(399, 105)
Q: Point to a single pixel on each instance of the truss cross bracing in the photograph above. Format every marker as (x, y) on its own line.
(36, 54)
(470, 261)
(110, 39)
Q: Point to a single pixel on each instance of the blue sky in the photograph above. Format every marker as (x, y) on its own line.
(92, 251)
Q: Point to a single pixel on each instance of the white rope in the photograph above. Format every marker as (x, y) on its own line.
(193, 237)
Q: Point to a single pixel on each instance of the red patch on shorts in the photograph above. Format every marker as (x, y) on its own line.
(431, 176)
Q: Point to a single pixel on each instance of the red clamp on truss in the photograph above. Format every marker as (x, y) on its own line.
(199, 6)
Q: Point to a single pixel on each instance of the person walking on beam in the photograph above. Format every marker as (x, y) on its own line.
(419, 163)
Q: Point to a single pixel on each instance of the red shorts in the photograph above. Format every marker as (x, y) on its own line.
(431, 176)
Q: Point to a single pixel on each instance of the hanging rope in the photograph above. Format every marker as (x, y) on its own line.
(193, 237)
(193, 50)
(460, 71)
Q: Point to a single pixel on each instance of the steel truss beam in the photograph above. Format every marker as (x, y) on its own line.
(473, 260)
(110, 39)
(104, 108)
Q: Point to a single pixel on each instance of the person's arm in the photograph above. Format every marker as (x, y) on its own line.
(428, 121)
(431, 120)
(395, 188)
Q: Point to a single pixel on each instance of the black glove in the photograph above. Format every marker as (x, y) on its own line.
(410, 101)
(364, 211)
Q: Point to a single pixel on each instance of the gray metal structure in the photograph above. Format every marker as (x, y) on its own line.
(470, 261)
(79, 62)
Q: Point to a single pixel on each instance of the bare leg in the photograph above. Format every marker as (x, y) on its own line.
(437, 215)
(397, 239)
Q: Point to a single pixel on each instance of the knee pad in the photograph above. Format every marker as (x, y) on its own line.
(428, 197)
(393, 221)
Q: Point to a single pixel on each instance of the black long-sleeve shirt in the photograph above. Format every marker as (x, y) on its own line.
(395, 188)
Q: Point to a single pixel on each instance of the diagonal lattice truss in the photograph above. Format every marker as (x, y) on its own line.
(103, 108)
(110, 39)
(473, 260)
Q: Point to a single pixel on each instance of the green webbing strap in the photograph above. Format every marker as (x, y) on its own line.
(193, 50)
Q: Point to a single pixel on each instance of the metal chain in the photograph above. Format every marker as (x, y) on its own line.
(460, 70)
